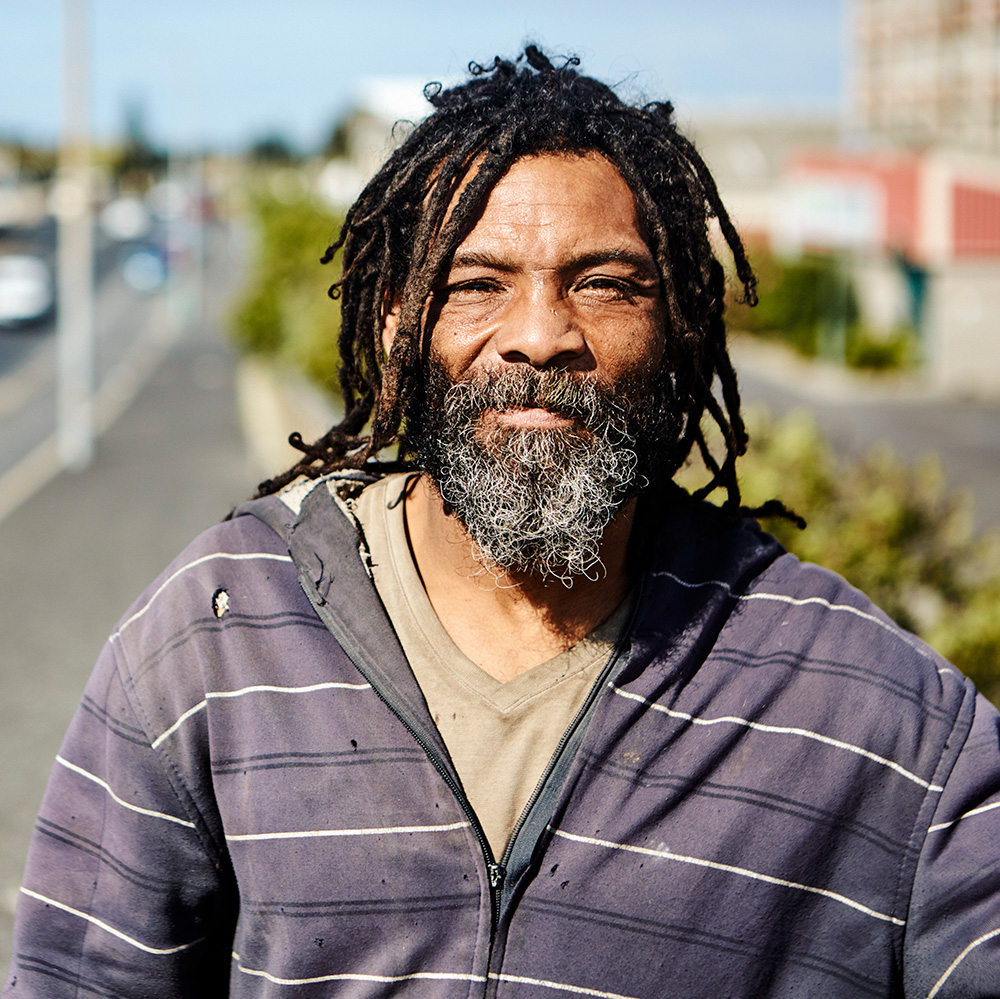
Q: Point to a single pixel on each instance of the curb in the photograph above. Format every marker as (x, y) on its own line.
(273, 402)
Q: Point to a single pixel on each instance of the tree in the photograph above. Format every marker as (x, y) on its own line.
(272, 150)
(138, 163)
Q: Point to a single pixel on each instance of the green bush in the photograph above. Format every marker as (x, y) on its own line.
(890, 529)
(800, 301)
(284, 311)
(809, 303)
(899, 351)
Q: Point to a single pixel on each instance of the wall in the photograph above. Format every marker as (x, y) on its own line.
(964, 329)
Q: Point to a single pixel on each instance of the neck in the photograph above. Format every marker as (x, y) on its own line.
(509, 623)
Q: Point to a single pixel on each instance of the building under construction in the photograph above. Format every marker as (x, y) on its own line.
(927, 72)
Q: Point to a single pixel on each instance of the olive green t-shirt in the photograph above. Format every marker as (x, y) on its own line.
(501, 736)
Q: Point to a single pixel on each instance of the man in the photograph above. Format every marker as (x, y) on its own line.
(516, 716)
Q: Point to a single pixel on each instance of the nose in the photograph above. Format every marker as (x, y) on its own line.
(541, 331)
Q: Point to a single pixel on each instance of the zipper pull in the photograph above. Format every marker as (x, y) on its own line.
(496, 873)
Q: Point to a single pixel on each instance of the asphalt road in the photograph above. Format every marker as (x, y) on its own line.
(77, 554)
(857, 413)
(123, 341)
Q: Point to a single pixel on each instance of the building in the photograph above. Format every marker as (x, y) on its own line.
(927, 72)
(920, 231)
(926, 99)
(385, 110)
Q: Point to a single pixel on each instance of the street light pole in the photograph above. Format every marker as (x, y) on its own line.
(75, 419)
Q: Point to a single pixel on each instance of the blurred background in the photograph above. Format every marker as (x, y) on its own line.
(170, 174)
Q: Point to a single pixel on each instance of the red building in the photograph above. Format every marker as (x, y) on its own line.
(921, 230)
(930, 207)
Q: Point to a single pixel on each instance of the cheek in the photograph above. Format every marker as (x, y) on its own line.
(458, 340)
(634, 344)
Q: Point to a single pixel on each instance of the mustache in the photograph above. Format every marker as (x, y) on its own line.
(573, 393)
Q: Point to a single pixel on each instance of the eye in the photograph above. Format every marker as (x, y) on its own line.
(610, 287)
(470, 290)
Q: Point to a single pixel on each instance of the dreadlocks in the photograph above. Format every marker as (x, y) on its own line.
(400, 234)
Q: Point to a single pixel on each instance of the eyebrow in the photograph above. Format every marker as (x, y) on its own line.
(594, 258)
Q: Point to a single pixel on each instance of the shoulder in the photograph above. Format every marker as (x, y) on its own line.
(806, 651)
(806, 607)
(227, 617)
(241, 580)
(244, 564)
(772, 603)
(794, 645)
(224, 562)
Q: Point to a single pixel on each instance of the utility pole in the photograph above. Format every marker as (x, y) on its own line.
(75, 258)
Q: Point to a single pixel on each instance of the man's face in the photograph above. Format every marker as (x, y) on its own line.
(546, 404)
(556, 274)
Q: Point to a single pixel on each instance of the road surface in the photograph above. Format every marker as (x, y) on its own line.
(857, 413)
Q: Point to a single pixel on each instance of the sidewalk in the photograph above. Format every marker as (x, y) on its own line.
(81, 550)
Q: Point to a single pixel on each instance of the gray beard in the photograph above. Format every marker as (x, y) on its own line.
(537, 501)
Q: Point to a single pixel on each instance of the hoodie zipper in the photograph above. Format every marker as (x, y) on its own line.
(592, 696)
(496, 872)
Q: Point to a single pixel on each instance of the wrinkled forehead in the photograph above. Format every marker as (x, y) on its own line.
(583, 185)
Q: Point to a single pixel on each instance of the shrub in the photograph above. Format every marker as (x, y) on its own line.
(284, 311)
(890, 529)
(895, 352)
(809, 303)
(801, 300)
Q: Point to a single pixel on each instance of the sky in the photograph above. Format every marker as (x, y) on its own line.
(223, 73)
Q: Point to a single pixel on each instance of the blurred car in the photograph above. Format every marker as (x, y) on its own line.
(145, 268)
(27, 294)
(126, 219)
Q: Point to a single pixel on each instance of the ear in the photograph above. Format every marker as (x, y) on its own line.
(390, 323)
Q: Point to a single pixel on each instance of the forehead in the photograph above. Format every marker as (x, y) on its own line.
(559, 201)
